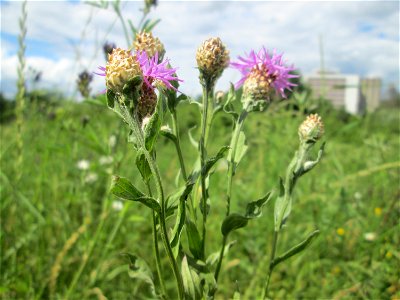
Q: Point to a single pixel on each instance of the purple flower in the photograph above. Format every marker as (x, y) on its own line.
(154, 73)
(266, 65)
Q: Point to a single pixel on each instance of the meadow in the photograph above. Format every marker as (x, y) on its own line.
(63, 235)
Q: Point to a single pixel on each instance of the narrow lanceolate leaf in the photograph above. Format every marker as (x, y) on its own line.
(110, 98)
(241, 149)
(254, 208)
(143, 166)
(152, 129)
(228, 106)
(139, 269)
(233, 222)
(191, 281)
(191, 138)
(280, 206)
(169, 135)
(296, 249)
(213, 258)
(211, 162)
(194, 239)
(124, 189)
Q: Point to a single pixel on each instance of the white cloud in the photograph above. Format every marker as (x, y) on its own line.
(77, 31)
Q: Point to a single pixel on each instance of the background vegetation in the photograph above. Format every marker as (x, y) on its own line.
(62, 234)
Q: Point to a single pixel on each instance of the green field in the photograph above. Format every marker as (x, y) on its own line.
(62, 233)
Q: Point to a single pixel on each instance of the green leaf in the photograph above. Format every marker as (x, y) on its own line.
(149, 26)
(169, 135)
(183, 194)
(133, 28)
(282, 207)
(143, 166)
(191, 281)
(241, 149)
(233, 222)
(228, 106)
(194, 239)
(254, 208)
(138, 269)
(124, 189)
(110, 98)
(191, 138)
(151, 130)
(211, 162)
(213, 258)
(296, 249)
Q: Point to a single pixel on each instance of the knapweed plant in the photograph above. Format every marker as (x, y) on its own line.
(143, 89)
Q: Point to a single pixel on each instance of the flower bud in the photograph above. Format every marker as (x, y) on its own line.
(151, 45)
(147, 102)
(120, 68)
(311, 129)
(257, 85)
(212, 58)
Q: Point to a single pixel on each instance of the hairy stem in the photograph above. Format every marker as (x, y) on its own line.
(155, 245)
(134, 125)
(205, 127)
(175, 129)
(234, 143)
(271, 265)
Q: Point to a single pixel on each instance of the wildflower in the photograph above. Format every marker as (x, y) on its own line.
(378, 211)
(370, 236)
(311, 129)
(106, 160)
(389, 255)
(145, 41)
(262, 71)
(121, 67)
(83, 82)
(212, 58)
(91, 177)
(108, 48)
(112, 141)
(340, 231)
(83, 165)
(357, 195)
(117, 205)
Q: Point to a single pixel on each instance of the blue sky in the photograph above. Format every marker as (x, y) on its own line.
(65, 37)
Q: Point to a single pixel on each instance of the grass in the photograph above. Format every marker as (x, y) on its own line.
(60, 234)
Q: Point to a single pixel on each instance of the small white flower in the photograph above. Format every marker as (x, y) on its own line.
(83, 164)
(117, 205)
(106, 160)
(91, 177)
(357, 195)
(370, 236)
(112, 141)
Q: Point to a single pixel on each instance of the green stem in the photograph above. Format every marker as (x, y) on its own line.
(234, 144)
(175, 129)
(134, 125)
(155, 244)
(205, 126)
(271, 265)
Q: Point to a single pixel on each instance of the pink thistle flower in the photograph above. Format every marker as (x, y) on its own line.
(268, 66)
(154, 73)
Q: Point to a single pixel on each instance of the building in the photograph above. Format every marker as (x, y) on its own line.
(351, 92)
